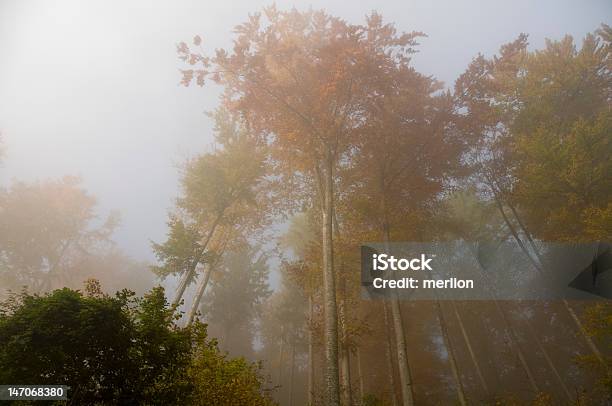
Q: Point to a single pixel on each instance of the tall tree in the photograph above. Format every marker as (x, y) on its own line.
(562, 140)
(541, 120)
(220, 190)
(300, 241)
(299, 78)
(407, 149)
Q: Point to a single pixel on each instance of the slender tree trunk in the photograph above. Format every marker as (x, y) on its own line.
(292, 373)
(451, 355)
(280, 362)
(402, 356)
(549, 361)
(515, 233)
(389, 355)
(345, 361)
(526, 232)
(189, 273)
(331, 312)
(201, 288)
(468, 344)
(359, 375)
(180, 290)
(400, 339)
(310, 353)
(347, 396)
(345, 354)
(584, 334)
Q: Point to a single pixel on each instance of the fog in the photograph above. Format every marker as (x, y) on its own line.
(92, 88)
(258, 200)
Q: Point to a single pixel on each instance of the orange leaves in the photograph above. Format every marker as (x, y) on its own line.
(293, 72)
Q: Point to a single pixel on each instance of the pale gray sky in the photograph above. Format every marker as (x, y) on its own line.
(90, 88)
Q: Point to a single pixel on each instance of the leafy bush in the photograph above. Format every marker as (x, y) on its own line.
(120, 349)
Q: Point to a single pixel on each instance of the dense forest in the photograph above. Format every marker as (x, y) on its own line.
(326, 131)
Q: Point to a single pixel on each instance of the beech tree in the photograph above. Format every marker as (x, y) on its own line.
(407, 149)
(541, 122)
(304, 270)
(220, 190)
(562, 140)
(299, 78)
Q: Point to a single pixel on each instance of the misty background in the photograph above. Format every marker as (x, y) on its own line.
(92, 88)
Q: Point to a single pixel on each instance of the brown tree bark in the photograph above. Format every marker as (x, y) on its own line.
(292, 374)
(280, 361)
(398, 327)
(389, 355)
(345, 353)
(310, 352)
(359, 374)
(332, 378)
(345, 361)
(402, 356)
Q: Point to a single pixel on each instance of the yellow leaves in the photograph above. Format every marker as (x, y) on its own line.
(598, 223)
(564, 178)
(544, 125)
